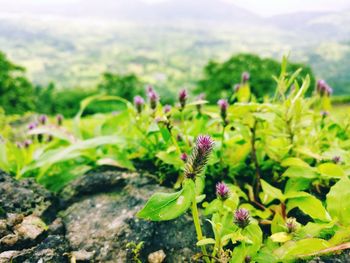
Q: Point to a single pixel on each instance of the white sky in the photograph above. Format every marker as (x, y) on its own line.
(273, 7)
(262, 7)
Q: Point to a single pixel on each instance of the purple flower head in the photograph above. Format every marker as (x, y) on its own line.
(245, 77)
(291, 224)
(242, 217)
(167, 109)
(183, 157)
(139, 102)
(59, 119)
(199, 156)
(336, 159)
(323, 88)
(149, 89)
(27, 143)
(223, 105)
(182, 98)
(236, 87)
(153, 98)
(43, 119)
(222, 191)
(32, 125)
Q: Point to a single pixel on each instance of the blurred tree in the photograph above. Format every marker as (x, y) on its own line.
(126, 86)
(16, 91)
(219, 78)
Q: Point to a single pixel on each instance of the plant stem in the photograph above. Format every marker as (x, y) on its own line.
(222, 147)
(255, 161)
(197, 225)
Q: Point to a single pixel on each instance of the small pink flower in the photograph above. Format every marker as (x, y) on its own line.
(139, 102)
(183, 98)
(184, 157)
(242, 217)
(222, 191)
(245, 77)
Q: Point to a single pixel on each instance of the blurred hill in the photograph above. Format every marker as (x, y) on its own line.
(168, 43)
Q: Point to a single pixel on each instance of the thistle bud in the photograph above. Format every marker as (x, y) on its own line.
(199, 156)
(247, 259)
(139, 102)
(336, 159)
(59, 119)
(291, 225)
(222, 191)
(167, 109)
(179, 137)
(324, 114)
(27, 143)
(43, 119)
(242, 217)
(183, 98)
(153, 98)
(236, 87)
(19, 145)
(323, 88)
(223, 105)
(245, 77)
(32, 125)
(184, 157)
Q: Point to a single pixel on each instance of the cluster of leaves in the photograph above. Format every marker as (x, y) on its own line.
(285, 163)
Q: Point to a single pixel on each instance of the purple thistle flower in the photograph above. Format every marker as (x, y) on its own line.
(149, 89)
(242, 217)
(245, 77)
(336, 159)
(43, 119)
(222, 191)
(32, 125)
(183, 157)
(153, 98)
(183, 98)
(167, 109)
(291, 224)
(59, 119)
(139, 102)
(199, 156)
(223, 104)
(323, 88)
(27, 143)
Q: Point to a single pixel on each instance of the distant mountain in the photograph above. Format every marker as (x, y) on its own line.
(209, 10)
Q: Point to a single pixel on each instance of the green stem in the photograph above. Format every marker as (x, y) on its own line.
(222, 147)
(197, 225)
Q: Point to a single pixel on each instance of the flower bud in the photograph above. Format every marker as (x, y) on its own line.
(179, 137)
(199, 106)
(236, 87)
(59, 119)
(199, 156)
(223, 105)
(139, 102)
(19, 145)
(167, 109)
(153, 98)
(32, 125)
(242, 217)
(291, 225)
(336, 159)
(27, 143)
(184, 157)
(183, 98)
(247, 259)
(323, 88)
(245, 77)
(43, 119)
(222, 191)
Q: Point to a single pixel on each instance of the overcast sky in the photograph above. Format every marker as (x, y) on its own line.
(262, 7)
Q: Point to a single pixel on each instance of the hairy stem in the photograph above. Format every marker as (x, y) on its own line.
(255, 161)
(197, 225)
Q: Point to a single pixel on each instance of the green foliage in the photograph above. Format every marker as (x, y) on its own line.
(126, 86)
(16, 91)
(219, 78)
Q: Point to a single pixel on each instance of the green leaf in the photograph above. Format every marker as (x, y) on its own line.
(338, 201)
(270, 193)
(300, 172)
(297, 184)
(167, 206)
(331, 170)
(206, 241)
(281, 237)
(293, 161)
(310, 205)
(301, 248)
